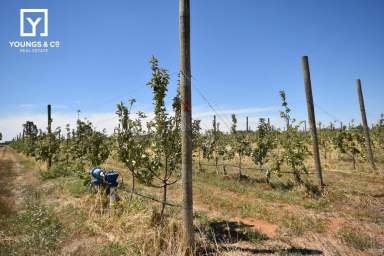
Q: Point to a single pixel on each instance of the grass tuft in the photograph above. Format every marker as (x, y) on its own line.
(356, 238)
(113, 249)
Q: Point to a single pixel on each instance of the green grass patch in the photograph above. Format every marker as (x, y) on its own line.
(238, 207)
(55, 171)
(317, 204)
(36, 228)
(277, 191)
(74, 220)
(113, 249)
(298, 225)
(75, 186)
(356, 238)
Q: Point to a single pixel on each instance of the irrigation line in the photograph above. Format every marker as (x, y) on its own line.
(248, 168)
(152, 198)
(180, 206)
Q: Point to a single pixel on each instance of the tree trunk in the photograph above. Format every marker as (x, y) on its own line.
(354, 161)
(224, 169)
(200, 167)
(240, 172)
(268, 176)
(133, 186)
(297, 177)
(216, 164)
(112, 197)
(163, 204)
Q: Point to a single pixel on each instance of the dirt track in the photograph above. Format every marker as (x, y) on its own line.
(13, 179)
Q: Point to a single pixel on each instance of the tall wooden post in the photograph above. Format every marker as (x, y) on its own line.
(49, 164)
(312, 119)
(186, 121)
(365, 123)
(214, 124)
(49, 119)
(246, 125)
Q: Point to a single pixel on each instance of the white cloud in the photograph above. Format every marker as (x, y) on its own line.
(11, 126)
(38, 107)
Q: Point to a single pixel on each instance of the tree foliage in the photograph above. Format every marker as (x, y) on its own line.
(265, 143)
(292, 142)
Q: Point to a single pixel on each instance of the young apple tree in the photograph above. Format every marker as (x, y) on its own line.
(265, 144)
(241, 144)
(132, 142)
(292, 142)
(166, 137)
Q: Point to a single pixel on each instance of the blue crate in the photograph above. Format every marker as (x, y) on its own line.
(111, 178)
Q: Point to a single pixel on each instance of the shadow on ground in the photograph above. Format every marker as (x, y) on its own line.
(226, 233)
(232, 232)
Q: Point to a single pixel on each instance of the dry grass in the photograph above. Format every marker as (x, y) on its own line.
(232, 217)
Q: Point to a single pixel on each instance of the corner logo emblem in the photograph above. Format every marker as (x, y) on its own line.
(30, 20)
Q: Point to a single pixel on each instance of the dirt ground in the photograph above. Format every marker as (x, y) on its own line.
(347, 221)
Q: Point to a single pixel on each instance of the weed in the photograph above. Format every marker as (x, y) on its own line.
(37, 227)
(298, 225)
(356, 238)
(317, 204)
(54, 172)
(75, 187)
(113, 249)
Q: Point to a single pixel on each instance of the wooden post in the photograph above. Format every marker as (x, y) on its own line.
(49, 119)
(214, 124)
(312, 119)
(365, 123)
(186, 122)
(246, 125)
(49, 164)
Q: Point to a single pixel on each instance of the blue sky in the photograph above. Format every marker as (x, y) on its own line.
(243, 53)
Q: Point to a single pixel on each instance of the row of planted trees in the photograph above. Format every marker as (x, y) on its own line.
(151, 150)
(68, 151)
(277, 151)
